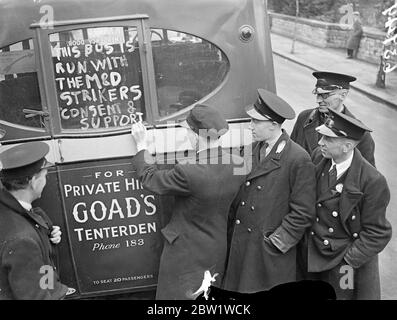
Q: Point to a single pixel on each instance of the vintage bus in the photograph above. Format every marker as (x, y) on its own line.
(76, 74)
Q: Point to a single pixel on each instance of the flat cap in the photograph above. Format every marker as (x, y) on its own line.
(206, 120)
(269, 106)
(341, 125)
(330, 81)
(24, 160)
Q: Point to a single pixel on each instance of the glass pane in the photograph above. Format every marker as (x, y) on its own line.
(187, 68)
(19, 87)
(98, 77)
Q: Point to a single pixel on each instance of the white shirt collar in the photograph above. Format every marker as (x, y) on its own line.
(343, 166)
(25, 205)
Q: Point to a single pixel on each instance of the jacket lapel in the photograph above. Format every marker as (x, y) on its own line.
(36, 215)
(309, 131)
(351, 193)
(272, 161)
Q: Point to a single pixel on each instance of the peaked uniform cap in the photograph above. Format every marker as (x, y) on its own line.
(331, 81)
(269, 106)
(24, 160)
(341, 125)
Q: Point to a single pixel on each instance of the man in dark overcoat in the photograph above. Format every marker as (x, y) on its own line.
(274, 206)
(355, 34)
(331, 90)
(196, 236)
(27, 235)
(351, 226)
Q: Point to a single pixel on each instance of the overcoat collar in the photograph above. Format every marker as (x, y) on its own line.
(8, 200)
(351, 193)
(309, 127)
(272, 160)
(314, 117)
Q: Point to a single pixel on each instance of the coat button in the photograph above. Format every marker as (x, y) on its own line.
(326, 242)
(247, 183)
(238, 221)
(243, 204)
(259, 187)
(312, 233)
(252, 208)
(353, 217)
(334, 214)
(36, 225)
(317, 219)
(249, 229)
(355, 235)
(331, 230)
(319, 205)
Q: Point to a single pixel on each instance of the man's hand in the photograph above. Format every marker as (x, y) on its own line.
(138, 132)
(56, 235)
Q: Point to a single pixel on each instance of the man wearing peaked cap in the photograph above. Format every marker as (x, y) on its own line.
(331, 90)
(26, 234)
(206, 121)
(351, 226)
(274, 206)
(196, 236)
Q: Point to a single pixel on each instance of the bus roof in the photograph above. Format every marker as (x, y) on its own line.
(203, 17)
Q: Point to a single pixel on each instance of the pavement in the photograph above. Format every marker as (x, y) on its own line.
(334, 60)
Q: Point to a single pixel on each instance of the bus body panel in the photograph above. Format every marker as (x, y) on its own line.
(112, 240)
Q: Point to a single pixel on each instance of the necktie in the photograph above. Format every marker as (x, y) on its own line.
(332, 176)
(323, 117)
(262, 151)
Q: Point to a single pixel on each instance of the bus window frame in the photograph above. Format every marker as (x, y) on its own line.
(25, 132)
(48, 75)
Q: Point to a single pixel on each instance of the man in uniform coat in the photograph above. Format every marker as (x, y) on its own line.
(351, 226)
(196, 236)
(331, 90)
(27, 236)
(274, 206)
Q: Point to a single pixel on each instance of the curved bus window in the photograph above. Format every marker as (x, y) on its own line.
(187, 68)
(19, 87)
(98, 77)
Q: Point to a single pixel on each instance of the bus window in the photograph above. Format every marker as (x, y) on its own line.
(19, 87)
(187, 68)
(98, 77)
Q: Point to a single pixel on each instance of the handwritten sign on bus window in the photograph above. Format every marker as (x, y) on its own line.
(98, 77)
(114, 226)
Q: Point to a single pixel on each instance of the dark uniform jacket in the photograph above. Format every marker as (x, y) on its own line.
(197, 232)
(24, 249)
(304, 134)
(277, 201)
(351, 224)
